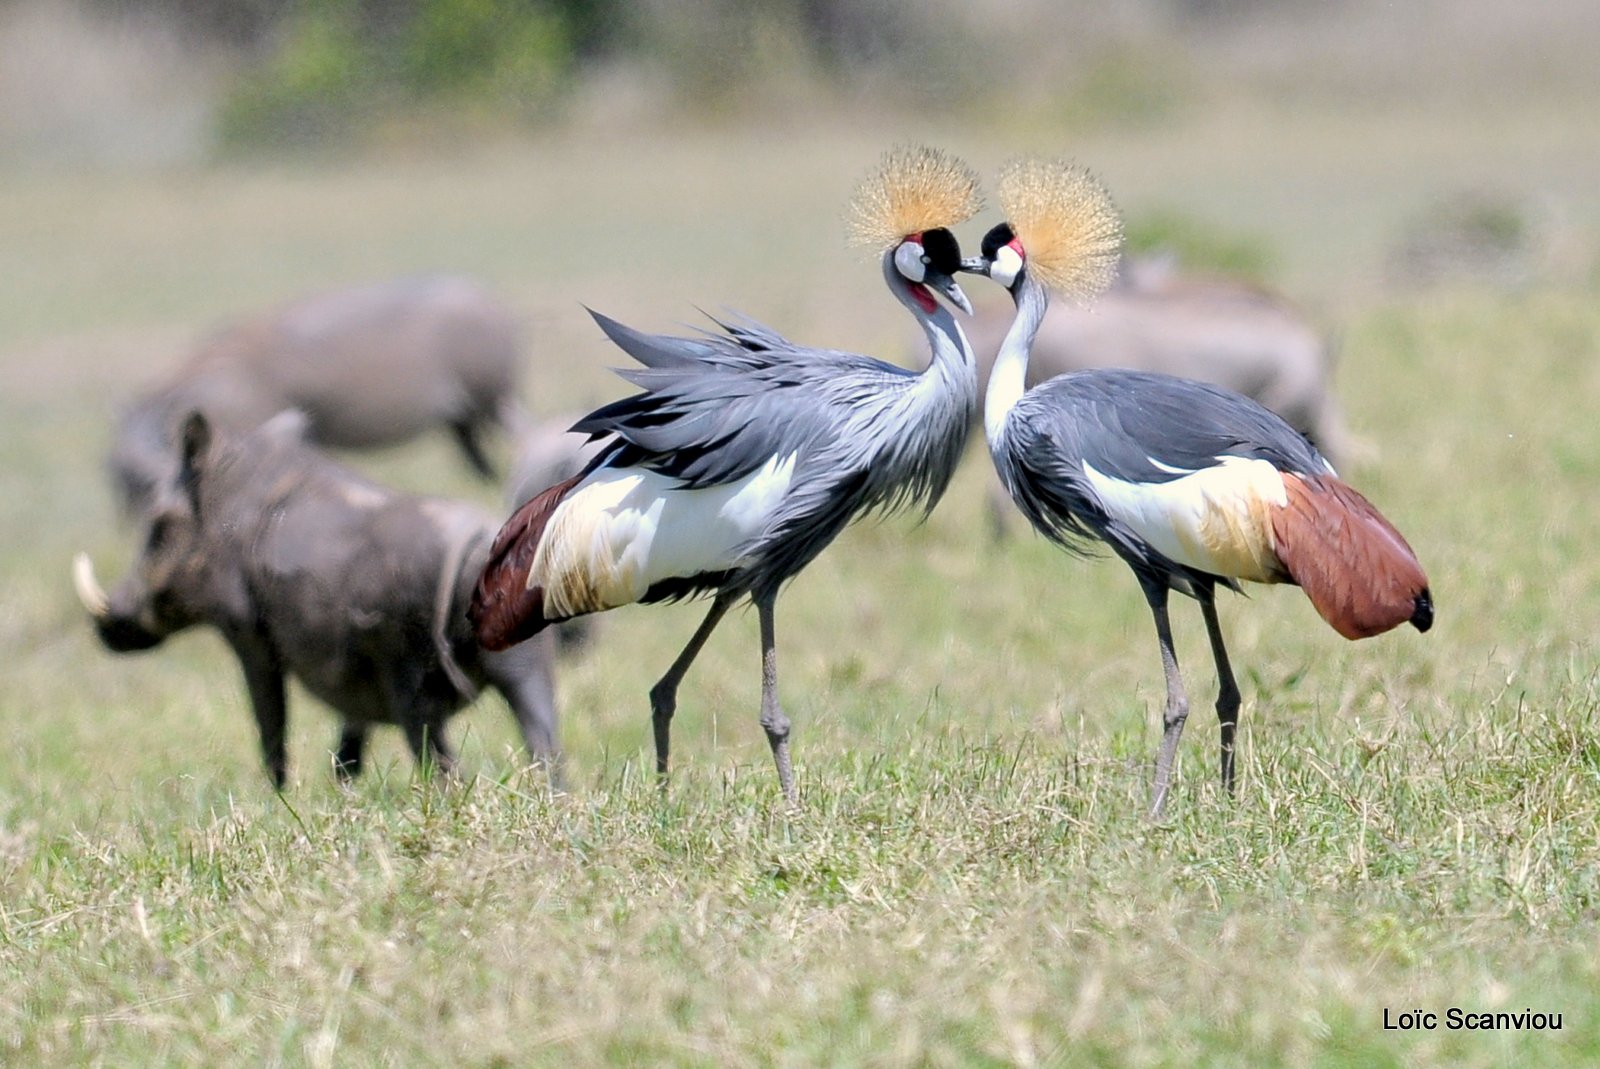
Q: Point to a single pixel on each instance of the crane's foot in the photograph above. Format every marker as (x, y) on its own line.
(1158, 801)
(777, 728)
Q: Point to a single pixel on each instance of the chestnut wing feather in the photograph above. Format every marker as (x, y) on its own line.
(1358, 571)
(504, 609)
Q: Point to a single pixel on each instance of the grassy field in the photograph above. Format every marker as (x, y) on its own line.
(970, 879)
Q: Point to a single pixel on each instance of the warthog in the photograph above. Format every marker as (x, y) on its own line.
(310, 570)
(370, 366)
(548, 452)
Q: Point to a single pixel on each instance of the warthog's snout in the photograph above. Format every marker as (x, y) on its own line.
(121, 632)
(83, 581)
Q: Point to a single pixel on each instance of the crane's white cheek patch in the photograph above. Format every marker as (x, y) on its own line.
(908, 261)
(1217, 519)
(624, 530)
(1006, 266)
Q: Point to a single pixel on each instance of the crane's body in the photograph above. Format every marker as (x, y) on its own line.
(1177, 477)
(1191, 485)
(744, 455)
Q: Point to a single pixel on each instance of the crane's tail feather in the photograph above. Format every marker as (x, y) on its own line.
(504, 609)
(651, 350)
(1355, 567)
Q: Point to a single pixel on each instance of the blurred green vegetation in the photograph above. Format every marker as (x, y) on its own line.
(1470, 234)
(174, 79)
(1200, 245)
(1128, 85)
(338, 64)
(316, 72)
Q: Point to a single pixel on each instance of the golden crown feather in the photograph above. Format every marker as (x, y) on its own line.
(1066, 221)
(914, 188)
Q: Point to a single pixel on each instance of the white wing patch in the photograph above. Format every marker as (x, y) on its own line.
(622, 530)
(1217, 519)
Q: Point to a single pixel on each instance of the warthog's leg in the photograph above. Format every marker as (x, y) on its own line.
(466, 432)
(352, 748)
(419, 715)
(263, 676)
(525, 675)
(428, 745)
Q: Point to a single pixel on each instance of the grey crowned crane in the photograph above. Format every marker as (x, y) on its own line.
(744, 454)
(1193, 486)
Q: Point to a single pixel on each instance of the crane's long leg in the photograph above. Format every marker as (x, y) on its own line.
(664, 695)
(1177, 711)
(1227, 688)
(772, 718)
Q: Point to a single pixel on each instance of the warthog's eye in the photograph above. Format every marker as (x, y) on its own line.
(160, 532)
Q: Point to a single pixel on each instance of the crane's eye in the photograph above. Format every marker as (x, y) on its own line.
(911, 261)
(941, 251)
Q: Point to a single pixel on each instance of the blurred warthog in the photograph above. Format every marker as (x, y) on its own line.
(547, 452)
(309, 570)
(370, 366)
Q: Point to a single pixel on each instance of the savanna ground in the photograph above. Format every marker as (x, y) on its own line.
(970, 878)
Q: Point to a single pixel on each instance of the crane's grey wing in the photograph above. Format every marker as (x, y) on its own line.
(712, 410)
(653, 350)
(1146, 427)
(706, 429)
(749, 335)
(1039, 461)
(744, 344)
(1136, 427)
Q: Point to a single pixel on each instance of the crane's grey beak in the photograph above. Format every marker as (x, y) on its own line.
(977, 265)
(946, 285)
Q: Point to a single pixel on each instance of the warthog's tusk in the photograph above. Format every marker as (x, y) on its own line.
(83, 581)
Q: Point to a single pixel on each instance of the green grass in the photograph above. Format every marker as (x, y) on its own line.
(970, 878)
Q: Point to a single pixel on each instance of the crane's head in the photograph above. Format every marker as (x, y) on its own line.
(927, 263)
(1003, 257)
(1061, 229)
(905, 208)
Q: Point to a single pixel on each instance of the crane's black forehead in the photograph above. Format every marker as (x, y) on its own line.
(996, 239)
(942, 250)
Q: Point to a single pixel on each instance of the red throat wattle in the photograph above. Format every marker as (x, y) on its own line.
(923, 297)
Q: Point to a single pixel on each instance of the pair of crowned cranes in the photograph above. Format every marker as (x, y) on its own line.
(744, 455)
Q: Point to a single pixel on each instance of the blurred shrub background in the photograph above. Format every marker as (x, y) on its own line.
(163, 80)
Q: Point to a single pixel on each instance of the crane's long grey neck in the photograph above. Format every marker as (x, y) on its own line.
(1008, 379)
(952, 367)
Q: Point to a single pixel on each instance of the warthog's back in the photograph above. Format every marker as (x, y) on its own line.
(384, 362)
(346, 571)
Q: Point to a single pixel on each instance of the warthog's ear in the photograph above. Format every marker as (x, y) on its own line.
(196, 444)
